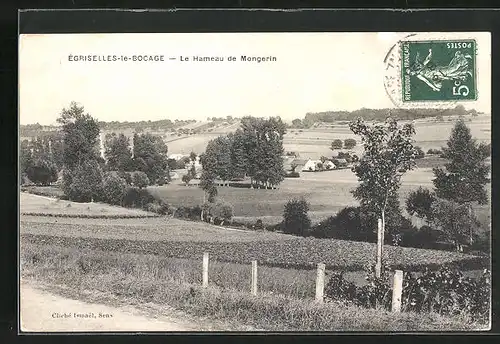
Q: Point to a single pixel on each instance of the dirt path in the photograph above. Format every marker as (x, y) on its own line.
(44, 311)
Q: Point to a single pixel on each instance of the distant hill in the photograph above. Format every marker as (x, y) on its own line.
(382, 114)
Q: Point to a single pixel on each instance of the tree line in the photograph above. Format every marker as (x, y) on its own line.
(255, 151)
(75, 151)
(378, 115)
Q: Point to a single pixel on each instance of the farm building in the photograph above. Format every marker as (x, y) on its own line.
(328, 165)
(299, 163)
(312, 165)
(174, 175)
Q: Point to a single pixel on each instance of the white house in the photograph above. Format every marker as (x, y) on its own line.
(176, 156)
(311, 166)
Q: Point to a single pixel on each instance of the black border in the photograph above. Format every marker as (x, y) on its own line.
(235, 20)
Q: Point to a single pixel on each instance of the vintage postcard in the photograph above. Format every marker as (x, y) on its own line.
(187, 182)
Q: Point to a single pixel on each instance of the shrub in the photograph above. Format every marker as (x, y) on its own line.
(186, 179)
(114, 188)
(42, 172)
(258, 224)
(295, 218)
(137, 198)
(444, 291)
(140, 179)
(419, 153)
(191, 213)
(125, 176)
(419, 203)
(349, 224)
(293, 174)
(349, 143)
(162, 180)
(219, 211)
(434, 151)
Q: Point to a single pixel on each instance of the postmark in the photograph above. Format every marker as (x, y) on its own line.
(438, 70)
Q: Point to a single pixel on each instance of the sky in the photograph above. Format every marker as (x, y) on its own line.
(313, 72)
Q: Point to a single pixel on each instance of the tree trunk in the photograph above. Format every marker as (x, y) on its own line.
(380, 246)
(471, 240)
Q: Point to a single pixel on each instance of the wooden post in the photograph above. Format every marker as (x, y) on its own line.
(397, 291)
(254, 278)
(380, 244)
(320, 282)
(205, 270)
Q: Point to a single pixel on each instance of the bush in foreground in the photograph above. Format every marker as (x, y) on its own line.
(444, 291)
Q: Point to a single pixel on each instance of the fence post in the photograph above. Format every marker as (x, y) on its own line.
(320, 282)
(254, 278)
(380, 244)
(205, 270)
(397, 290)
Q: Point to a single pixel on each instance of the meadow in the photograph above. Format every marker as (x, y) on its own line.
(284, 302)
(327, 192)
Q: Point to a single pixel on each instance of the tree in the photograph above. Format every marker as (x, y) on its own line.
(297, 123)
(85, 183)
(295, 218)
(186, 179)
(150, 157)
(455, 220)
(117, 152)
(209, 163)
(140, 179)
(223, 168)
(336, 144)
(239, 159)
(388, 154)
(419, 203)
(81, 136)
(464, 177)
(25, 156)
(349, 143)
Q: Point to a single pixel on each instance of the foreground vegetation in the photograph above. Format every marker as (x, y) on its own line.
(302, 253)
(147, 278)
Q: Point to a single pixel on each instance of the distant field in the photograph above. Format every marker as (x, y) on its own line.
(34, 204)
(315, 142)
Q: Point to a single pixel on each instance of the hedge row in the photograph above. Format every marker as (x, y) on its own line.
(92, 216)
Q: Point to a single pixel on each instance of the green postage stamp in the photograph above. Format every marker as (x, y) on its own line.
(438, 70)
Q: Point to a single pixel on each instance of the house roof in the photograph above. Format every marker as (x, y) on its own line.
(298, 162)
(343, 161)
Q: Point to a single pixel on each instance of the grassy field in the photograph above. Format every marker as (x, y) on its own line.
(327, 192)
(33, 204)
(159, 280)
